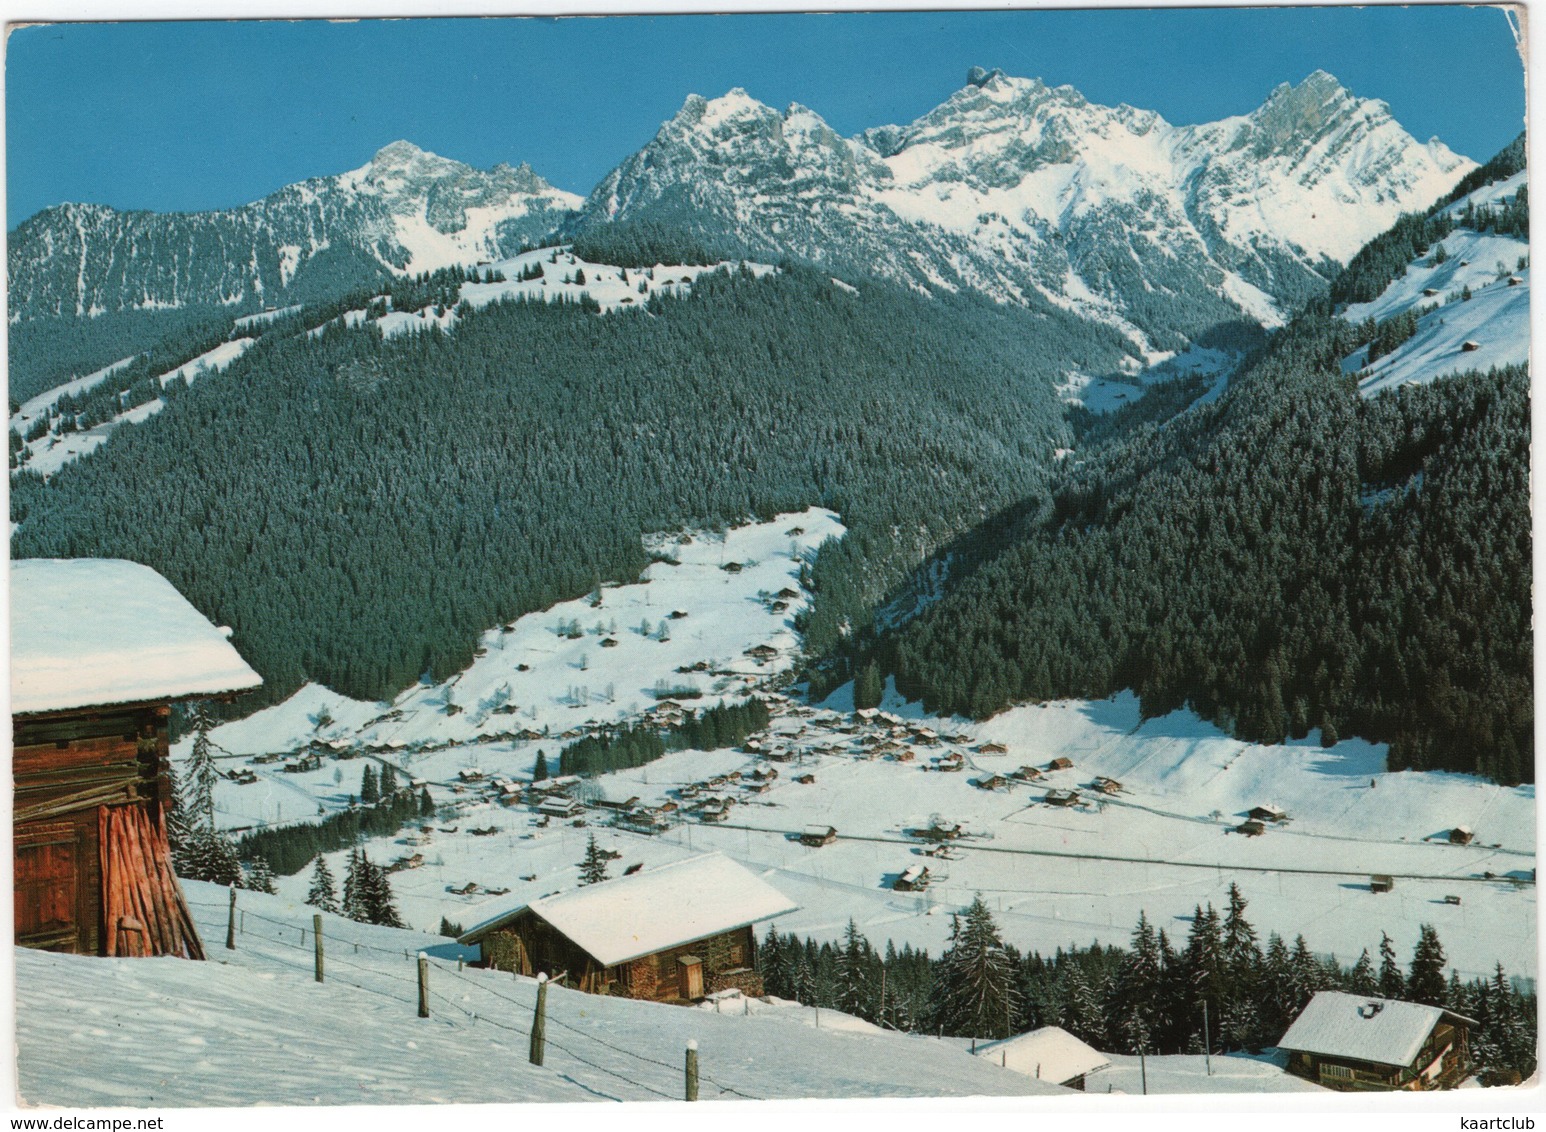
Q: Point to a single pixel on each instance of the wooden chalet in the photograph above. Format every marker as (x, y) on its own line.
(672, 934)
(1268, 812)
(914, 878)
(1050, 1054)
(1251, 828)
(1026, 773)
(818, 835)
(1061, 764)
(1108, 785)
(992, 782)
(1355, 1043)
(938, 831)
(100, 650)
(993, 749)
(1461, 835)
(1062, 798)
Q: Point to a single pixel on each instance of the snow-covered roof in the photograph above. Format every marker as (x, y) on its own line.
(623, 919)
(92, 632)
(1051, 1054)
(1381, 1030)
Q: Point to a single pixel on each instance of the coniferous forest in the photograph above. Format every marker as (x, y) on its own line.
(359, 510)
(1146, 997)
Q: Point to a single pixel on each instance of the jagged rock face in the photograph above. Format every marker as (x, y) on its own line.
(1016, 188)
(406, 210)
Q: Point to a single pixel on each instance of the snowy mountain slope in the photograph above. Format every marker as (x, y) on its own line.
(1017, 189)
(404, 211)
(250, 1026)
(1471, 295)
(52, 451)
(533, 676)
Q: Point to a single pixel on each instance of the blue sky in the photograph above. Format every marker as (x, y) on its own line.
(182, 116)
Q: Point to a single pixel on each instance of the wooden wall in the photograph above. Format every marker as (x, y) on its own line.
(91, 792)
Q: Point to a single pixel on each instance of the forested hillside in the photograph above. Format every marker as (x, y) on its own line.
(1294, 557)
(359, 510)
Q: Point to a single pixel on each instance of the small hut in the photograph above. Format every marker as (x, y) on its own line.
(1251, 828)
(1050, 1054)
(992, 782)
(914, 878)
(818, 835)
(993, 749)
(1062, 798)
(100, 650)
(1268, 812)
(670, 934)
(1461, 835)
(1061, 764)
(1380, 882)
(1108, 785)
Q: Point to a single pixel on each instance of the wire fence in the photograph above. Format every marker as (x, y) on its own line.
(300, 937)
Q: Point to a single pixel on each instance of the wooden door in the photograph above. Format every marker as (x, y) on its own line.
(53, 907)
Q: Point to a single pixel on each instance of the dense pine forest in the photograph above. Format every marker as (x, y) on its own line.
(1146, 997)
(1291, 558)
(359, 510)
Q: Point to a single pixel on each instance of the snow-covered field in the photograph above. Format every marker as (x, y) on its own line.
(1105, 394)
(1053, 876)
(1494, 321)
(251, 1026)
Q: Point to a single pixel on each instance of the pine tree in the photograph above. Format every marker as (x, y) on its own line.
(1360, 980)
(196, 805)
(853, 993)
(354, 902)
(260, 877)
(593, 869)
(323, 893)
(370, 793)
(976, 992)
(378, 904)
(541, 770)
(426, 803)
(1425, 981)
(388, 785)
(868, 687)
(1392, 983)
(209, 856)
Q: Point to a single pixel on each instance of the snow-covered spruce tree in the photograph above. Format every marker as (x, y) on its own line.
(975, 994)
(593, 869)
(773, 966)
(426, 803)
(1425, 981)
(541, 770)
(379, 905)
(1360, 980)
(388, 781)
(354, 889)
(323, 893)
(853, 991)
(370, 793)
(259, 877)
(209, 856)
(1392, 982)
(1137, 988)
(197, 800)
(869, 686)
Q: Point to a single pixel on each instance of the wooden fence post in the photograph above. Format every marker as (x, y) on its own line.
(316, 930)
(539, 1022)
(692, 1069)
(230, 926)
(423, 985)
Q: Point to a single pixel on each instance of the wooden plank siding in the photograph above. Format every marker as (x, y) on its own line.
(530, 945)
(90, 791)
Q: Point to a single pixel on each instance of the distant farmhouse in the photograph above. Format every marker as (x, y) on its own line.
(1354, 1043)
(671, 934)
(100, 650)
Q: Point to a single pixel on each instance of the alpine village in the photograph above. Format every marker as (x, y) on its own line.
(1029, 601)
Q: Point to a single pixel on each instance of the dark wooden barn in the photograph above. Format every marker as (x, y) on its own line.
(1354, 1043)
(100, 650)
(671, 934)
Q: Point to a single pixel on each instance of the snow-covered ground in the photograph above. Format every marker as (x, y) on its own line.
(251, 1026)
(564, 277)
(51, 452)
(1496, 319)
(1189, 1073)
(1105, 394)
(533, 679)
